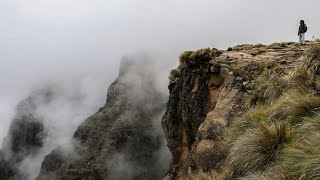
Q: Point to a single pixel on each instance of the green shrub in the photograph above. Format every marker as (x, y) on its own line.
(254, 150)
(302, 160)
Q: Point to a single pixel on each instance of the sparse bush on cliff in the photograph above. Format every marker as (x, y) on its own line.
(185, 57)
(198, 60)
(256, 149)
(174, 75)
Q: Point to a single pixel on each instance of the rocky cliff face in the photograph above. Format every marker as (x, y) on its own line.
(120, 140)
(209, 91)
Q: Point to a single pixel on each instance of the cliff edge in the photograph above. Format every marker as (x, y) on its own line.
(248, 112)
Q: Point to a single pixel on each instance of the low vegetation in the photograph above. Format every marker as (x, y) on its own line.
(313, 59)
(302, 159)
(278, 137)
(199, 175)
(277, 46)
(269, 86)
(195, 61)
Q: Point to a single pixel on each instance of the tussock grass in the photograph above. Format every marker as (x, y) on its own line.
(302, 81)
(269, 86)
(250, 71)
(295, 107)
(276, 172)
(256, 177)
(313, 59)
(309, 125)
(254, 150)
(239, 127)
(302, 160)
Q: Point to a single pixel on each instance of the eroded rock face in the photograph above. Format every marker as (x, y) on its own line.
(120, 140)
(199, 108)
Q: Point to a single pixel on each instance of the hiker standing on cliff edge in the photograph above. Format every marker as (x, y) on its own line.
(302, 30)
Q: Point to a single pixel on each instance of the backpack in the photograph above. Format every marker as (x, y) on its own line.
(305, 29)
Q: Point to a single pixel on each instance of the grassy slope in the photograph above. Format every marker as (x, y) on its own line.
(279, 136)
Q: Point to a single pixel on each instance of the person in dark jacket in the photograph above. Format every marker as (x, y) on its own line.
(302, 30)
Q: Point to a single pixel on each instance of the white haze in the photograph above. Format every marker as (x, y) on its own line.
(74, 42)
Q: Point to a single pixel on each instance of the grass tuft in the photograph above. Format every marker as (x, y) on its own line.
(269, 86)
(313, 59)
(199, 175)
(302, 81)
(295, 107)
(302, 160)
(254, 150)
(239, 127)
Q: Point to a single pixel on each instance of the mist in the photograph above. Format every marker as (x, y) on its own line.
(77, 44)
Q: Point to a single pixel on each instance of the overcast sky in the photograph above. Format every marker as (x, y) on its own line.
(83, 40)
